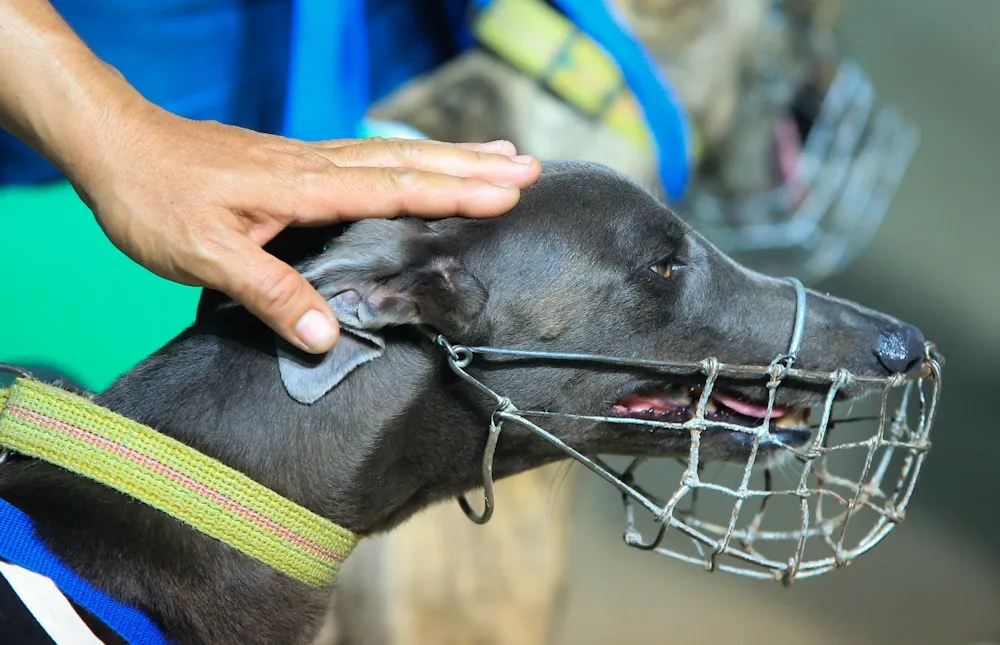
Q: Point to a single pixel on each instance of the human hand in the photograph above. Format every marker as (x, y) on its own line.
(194, 202)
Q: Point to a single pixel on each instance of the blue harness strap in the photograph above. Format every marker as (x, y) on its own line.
(327, 93)
(661, 108)
(19, 545)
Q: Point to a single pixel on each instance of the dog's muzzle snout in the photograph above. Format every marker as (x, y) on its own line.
(835, 495)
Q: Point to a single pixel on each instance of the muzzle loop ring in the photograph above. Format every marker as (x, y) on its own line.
(504, 406)
(799, 326)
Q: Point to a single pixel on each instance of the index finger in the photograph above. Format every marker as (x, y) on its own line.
(341, 194)
(434, 156)
(500, 146)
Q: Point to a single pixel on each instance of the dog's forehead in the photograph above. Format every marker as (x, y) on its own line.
(594, 202)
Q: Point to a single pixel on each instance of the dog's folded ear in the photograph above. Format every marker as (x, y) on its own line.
(380, 273)
(307, 377)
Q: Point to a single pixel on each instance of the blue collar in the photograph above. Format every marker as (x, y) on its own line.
(19, 545)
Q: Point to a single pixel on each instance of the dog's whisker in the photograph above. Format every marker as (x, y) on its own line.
(555, 487)
(785, 469)
(846, 420)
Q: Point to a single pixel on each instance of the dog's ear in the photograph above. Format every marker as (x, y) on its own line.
(380, 273)
(407, 271)
(307, 377)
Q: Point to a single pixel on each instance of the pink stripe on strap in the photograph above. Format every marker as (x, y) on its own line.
(196, 487)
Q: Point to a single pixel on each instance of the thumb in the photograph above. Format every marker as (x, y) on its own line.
(278, 295)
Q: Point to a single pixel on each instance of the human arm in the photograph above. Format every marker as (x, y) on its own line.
(195, 201)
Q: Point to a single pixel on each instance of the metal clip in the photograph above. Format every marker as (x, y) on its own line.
(491, 447)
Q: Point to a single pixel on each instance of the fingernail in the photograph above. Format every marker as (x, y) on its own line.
(523, 159)
(314, 330)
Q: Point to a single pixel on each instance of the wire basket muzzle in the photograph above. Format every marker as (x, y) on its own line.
(792, 509)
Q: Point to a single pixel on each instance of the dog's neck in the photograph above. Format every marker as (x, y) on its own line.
(340, 457)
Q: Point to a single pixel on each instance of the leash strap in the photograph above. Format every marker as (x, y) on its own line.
(72, 432)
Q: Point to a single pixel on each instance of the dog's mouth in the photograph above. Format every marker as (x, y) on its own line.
(677, 404)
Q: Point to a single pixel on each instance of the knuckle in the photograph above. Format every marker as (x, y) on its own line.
(206, 252)
(403, 150)
(401, 181)
(310, 163)
(307, 181)
(480, 157)
(201, 249)
(276, 290)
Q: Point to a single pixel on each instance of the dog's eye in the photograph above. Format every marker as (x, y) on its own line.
(663, 269)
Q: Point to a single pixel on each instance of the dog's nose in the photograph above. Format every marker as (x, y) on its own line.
(901, 349)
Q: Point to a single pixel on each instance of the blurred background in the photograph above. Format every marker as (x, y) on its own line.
(932, 262)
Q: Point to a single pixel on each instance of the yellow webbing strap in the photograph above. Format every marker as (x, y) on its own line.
(73, 432)
(543, 44)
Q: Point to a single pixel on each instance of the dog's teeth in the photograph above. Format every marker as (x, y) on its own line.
(711, 407)
(793, 419)
(676, 395)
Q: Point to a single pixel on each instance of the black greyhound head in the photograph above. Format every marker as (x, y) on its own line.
(587, 262)
(590, 263)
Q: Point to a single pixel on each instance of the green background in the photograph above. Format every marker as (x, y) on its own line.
(72, 302)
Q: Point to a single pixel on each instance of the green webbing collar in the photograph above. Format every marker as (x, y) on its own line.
(73, 432)
(544, 45)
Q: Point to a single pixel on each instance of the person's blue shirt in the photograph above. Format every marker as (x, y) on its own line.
(228, 60)
(310, 68)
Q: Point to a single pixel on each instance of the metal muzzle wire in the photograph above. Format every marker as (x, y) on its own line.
(851, 165)
(806, 538)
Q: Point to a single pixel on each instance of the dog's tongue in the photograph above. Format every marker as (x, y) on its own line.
(788, 151)
(660, 403)
(746, 408)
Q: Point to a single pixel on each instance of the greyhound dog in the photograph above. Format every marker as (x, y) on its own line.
(587, 262)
